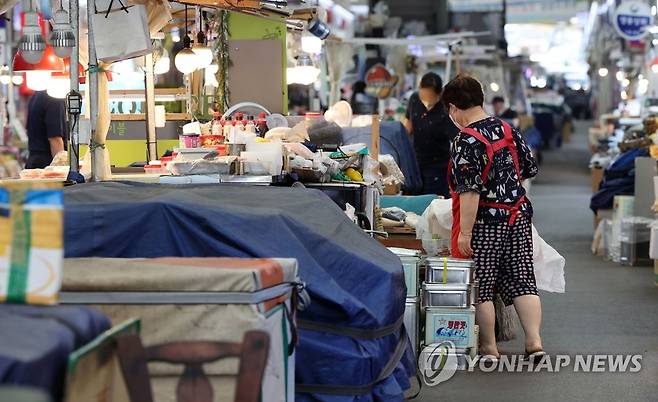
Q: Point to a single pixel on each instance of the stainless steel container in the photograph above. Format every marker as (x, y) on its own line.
(456, 325)
(436, 295)
(411, 267)
(451, 262)
(411, 322)
(448, 275)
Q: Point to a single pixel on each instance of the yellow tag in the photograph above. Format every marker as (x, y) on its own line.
(445, 270)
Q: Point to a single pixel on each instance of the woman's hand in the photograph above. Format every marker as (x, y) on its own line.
(464, 244)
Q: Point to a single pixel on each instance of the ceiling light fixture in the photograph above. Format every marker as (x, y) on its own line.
(5, 78)
(32, 44)
(304, 72)
(37, 76)
(163, 64)
(203, 52)
(186, 60)
(62, 38)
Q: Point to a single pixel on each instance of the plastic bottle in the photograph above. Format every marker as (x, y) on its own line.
(216, 125)
(262, 124)
(250, 126)
(228, 128)
(239, 117)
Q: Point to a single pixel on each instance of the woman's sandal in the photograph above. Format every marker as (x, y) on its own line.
(535, 356)
(491, 359)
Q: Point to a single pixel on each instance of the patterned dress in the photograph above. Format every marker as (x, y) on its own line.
(502, 252)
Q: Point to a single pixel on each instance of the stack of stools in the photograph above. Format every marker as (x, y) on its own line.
(448, 295)
(411, 261)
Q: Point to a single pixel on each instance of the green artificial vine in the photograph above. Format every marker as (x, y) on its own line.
(221, 50)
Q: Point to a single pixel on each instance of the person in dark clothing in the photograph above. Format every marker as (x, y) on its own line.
(507, 114)
(361, 102)
(431, 130)
(46, 129)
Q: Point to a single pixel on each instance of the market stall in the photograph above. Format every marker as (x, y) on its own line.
(349, 323)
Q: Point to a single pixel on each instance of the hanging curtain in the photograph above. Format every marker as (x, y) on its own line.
(339, 62)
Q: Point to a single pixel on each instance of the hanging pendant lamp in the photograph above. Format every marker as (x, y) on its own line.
(62, 38)
(186, 60)
(32, 44)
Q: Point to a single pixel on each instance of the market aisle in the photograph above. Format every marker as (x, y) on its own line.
(608, 309)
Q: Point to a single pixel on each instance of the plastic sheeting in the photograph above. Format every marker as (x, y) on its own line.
(40, 339)
(354, 282)
(394, 140)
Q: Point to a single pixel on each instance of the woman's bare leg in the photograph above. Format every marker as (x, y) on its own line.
(528, 308)
(485, 315)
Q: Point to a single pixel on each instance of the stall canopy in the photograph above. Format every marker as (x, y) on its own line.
(351, 337)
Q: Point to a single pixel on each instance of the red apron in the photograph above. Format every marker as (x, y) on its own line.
(492, 148)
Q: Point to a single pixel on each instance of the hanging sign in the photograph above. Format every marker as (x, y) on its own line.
(380, 82)
(632, 18)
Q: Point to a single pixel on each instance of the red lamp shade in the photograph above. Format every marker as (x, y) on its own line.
(83, 76)
(49, 62)
(67, 71)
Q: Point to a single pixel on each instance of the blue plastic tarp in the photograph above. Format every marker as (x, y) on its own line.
(353, 281)
(394, 141)
(35, 343)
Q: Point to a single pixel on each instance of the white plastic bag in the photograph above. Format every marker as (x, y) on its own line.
(122, 35)
(549, 265)
(436, 221)
(434, 228)
(653, 242)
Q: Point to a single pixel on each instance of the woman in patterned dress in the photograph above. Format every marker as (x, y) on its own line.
(492, 215)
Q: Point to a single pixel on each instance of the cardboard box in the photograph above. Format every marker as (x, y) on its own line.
(31, 242)
(392, 189)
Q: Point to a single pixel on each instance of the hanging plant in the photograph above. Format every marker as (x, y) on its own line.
(221, 50)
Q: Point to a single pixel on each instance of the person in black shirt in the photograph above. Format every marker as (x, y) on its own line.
(509, 115)
(46, 129)
(492, 215)
(431, 130)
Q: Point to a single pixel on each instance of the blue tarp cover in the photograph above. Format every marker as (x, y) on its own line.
(35, 343)
(354, 282)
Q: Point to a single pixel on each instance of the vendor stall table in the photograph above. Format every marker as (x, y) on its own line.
(403, 237)
(40, 339)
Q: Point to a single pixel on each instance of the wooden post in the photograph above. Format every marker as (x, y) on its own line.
(149, 83)
(374, 151)
(92, 86)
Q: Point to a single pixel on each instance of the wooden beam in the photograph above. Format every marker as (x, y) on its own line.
(227, 4)
(158, 91)
(374, 151)
(142, 117)
(149, 83)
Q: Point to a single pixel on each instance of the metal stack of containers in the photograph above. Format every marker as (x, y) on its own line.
(411, 262)
(448, 295)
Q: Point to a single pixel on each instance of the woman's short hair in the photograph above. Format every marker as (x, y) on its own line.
(432, 81)
(464, 92)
